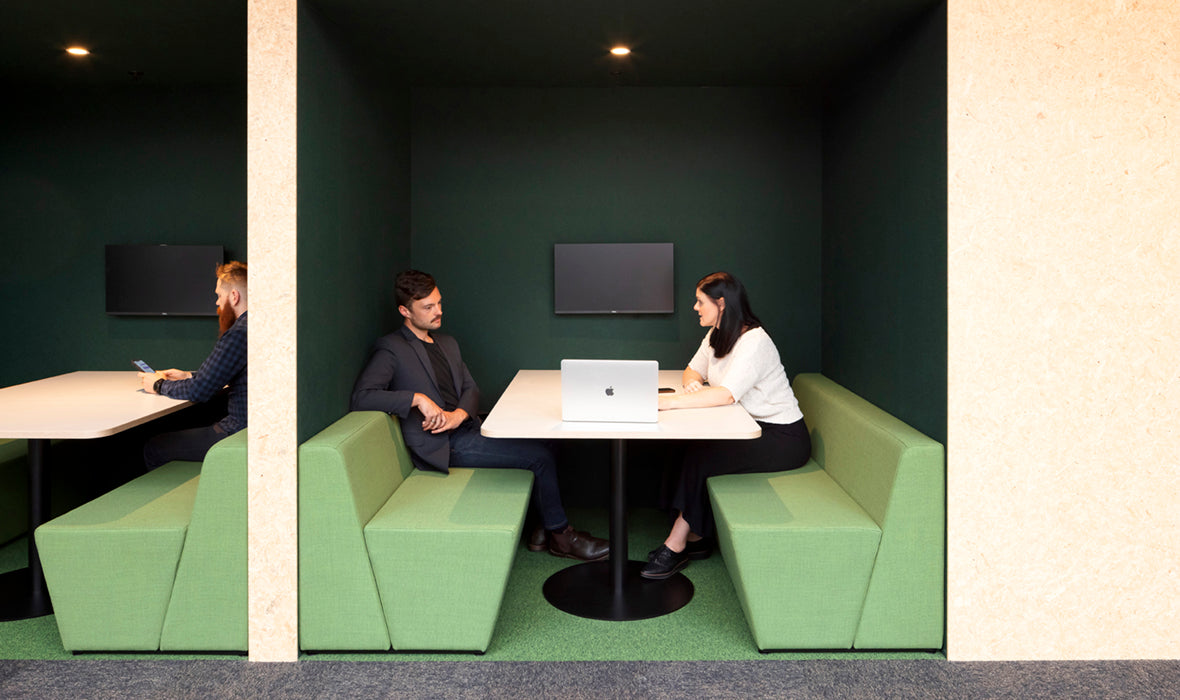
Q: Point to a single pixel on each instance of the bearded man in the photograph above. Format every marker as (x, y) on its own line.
(225, 367)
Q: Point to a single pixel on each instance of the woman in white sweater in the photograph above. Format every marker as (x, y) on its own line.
(736, 362)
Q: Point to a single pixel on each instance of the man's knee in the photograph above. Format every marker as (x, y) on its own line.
(541, 460)
(153, 454)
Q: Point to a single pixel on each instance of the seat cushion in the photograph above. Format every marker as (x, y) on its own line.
(441, 550)
(800, 553)
(110, 563)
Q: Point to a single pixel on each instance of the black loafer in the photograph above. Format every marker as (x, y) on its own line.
(701, 549)
(664, 563)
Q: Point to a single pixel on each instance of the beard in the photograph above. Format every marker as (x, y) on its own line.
(225, 319)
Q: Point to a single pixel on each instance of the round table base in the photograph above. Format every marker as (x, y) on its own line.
(585, 590)
(19, 599)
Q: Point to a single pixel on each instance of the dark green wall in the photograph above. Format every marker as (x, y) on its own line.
(85, 166)
(354, 215)
(884, 243)
(730, 175)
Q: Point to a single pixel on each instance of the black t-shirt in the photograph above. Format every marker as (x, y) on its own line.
(442, 371)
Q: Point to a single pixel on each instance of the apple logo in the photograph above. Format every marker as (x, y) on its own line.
(610, 391)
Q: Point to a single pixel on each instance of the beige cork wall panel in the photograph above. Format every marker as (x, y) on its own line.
(1064, 329)
(271, 240)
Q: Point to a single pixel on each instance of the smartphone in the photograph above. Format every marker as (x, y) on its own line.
(143, 366)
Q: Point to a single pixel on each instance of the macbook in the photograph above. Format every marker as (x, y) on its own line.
(610, 391)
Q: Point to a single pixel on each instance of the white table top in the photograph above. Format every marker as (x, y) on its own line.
(80, 405)
(531, 408)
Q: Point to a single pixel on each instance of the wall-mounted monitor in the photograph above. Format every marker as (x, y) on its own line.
(613, 278)
(162, 280)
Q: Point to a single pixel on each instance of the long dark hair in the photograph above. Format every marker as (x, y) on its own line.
(737, 317)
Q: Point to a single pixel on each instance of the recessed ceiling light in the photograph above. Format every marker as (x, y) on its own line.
(77, 51)
(620, 50)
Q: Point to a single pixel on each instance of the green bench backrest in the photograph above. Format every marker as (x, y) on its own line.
(346, 474)
(860, 446)
(898, 475)
(209, 606)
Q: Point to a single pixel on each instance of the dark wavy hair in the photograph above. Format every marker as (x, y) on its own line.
(413, 285)
(737, 318)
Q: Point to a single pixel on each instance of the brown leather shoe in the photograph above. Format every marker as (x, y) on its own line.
(538, 539)
(575, 544)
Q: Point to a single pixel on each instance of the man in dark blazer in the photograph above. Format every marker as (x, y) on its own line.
(418, 375)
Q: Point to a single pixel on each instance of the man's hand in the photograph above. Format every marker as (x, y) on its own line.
(436, 420)
(149, 381)
(451, 420)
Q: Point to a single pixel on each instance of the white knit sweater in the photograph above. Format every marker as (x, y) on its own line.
(754, 374)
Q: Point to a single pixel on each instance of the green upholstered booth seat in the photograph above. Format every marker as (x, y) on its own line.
(441, 548)
(110, 563)
(394, 558)
(800, 552)
(158, 563)
(849, 550)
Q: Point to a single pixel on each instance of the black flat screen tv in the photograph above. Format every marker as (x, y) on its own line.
(162, 280)
(613, 278)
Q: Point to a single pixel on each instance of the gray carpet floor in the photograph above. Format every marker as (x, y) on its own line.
(630, 679)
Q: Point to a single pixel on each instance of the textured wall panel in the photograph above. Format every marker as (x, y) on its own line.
(271, 239)
(1064, 329)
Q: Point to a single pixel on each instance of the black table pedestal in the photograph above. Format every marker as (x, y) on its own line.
(22, 592)
(613, 589)
(21, 598)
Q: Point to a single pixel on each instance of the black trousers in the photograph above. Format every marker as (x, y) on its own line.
(190, 445)
(779, 448)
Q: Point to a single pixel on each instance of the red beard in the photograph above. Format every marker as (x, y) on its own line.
(225, 319)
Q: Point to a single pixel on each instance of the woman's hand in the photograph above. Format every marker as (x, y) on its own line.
(702, 398)
(691, 380)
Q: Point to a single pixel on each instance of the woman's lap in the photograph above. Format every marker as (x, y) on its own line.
(780, 448)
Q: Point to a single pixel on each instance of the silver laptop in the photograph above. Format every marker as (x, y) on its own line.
(610, 391)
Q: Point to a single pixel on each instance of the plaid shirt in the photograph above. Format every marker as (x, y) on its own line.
(225, 365)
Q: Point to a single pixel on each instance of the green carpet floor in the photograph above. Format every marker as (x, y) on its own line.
(710, 628)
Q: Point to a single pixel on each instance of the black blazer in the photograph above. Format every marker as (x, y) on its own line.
(397, 369)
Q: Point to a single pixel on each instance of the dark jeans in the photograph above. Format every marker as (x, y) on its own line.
(470, 449)
(190, 445)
